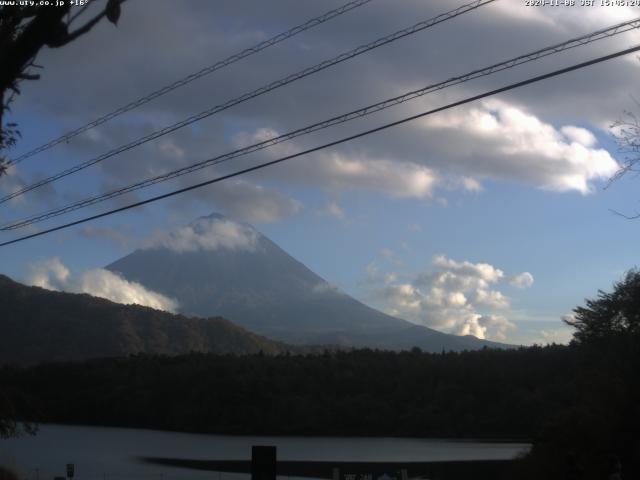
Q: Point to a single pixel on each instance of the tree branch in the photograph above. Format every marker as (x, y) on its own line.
(89, 25)
(82, 30)
(628, 217)
(80, 12)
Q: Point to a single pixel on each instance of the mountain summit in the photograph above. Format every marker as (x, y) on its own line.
(216, 266)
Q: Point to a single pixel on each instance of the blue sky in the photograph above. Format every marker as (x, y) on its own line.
(436, 221)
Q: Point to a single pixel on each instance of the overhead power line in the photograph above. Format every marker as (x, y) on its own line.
(376, 107)
(331, 144)
(194, 76)
(255, 93)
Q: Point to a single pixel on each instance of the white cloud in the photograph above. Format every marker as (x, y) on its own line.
(491, 298)
(341, 170)
(398, 179)
(457, 297)
(208, 234)
(465, 275)
(471, 184)
(50, 274)
(139, 41)
(54, 275)
(558, 335)
(332, 209)
(502, 141)
(579, 135)
(523, 280)
(410, 167)
(524, 16)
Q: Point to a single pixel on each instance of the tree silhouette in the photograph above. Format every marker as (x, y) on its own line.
(610, 314)
(24, 31)
(626, 132)
(13, 413)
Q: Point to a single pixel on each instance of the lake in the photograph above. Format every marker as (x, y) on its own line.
(101, 453)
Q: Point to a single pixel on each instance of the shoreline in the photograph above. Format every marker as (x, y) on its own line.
(488, 439)
(454, 470)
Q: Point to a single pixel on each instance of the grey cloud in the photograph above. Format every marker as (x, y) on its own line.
(118, 236)
(151, 47)
(239, 199)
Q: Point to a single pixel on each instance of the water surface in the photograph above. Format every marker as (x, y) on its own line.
(101, 453)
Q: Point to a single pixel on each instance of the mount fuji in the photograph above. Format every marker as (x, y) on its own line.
(219, 267)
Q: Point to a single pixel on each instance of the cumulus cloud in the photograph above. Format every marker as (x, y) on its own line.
(503, 141)
(398, 179)
(456, 297)
(50, 274)
(54, 275)
(557, 335)
(207, 234)
(525, 279)
(333, 209)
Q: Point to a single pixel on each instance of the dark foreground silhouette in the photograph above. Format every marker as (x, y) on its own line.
(581, 401)
(579, 404)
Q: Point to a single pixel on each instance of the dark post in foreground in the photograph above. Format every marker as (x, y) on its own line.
(263, 463)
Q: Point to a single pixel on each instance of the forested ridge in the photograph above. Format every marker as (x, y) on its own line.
(364, 392)
(42, 325)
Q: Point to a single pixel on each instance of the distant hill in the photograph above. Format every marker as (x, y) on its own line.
(244, 276)
(42, 325)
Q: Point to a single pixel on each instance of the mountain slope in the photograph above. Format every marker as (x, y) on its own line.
(42, 325)
(247, 278)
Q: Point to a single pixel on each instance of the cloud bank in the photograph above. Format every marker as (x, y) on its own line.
(54, 275)
(207, 234)
(505, 142)
(535, 141)
(455, 297)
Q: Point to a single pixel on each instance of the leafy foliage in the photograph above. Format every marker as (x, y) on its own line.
(610, 314)
(26, 28)
(13, 414)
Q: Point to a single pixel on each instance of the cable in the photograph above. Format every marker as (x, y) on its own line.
(331, 144)
(194, 76)
(255, 93)
(583, 40)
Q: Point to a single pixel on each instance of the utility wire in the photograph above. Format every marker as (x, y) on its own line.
(194, 76)
(551, 50)
(255, 93)
(333, 143)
